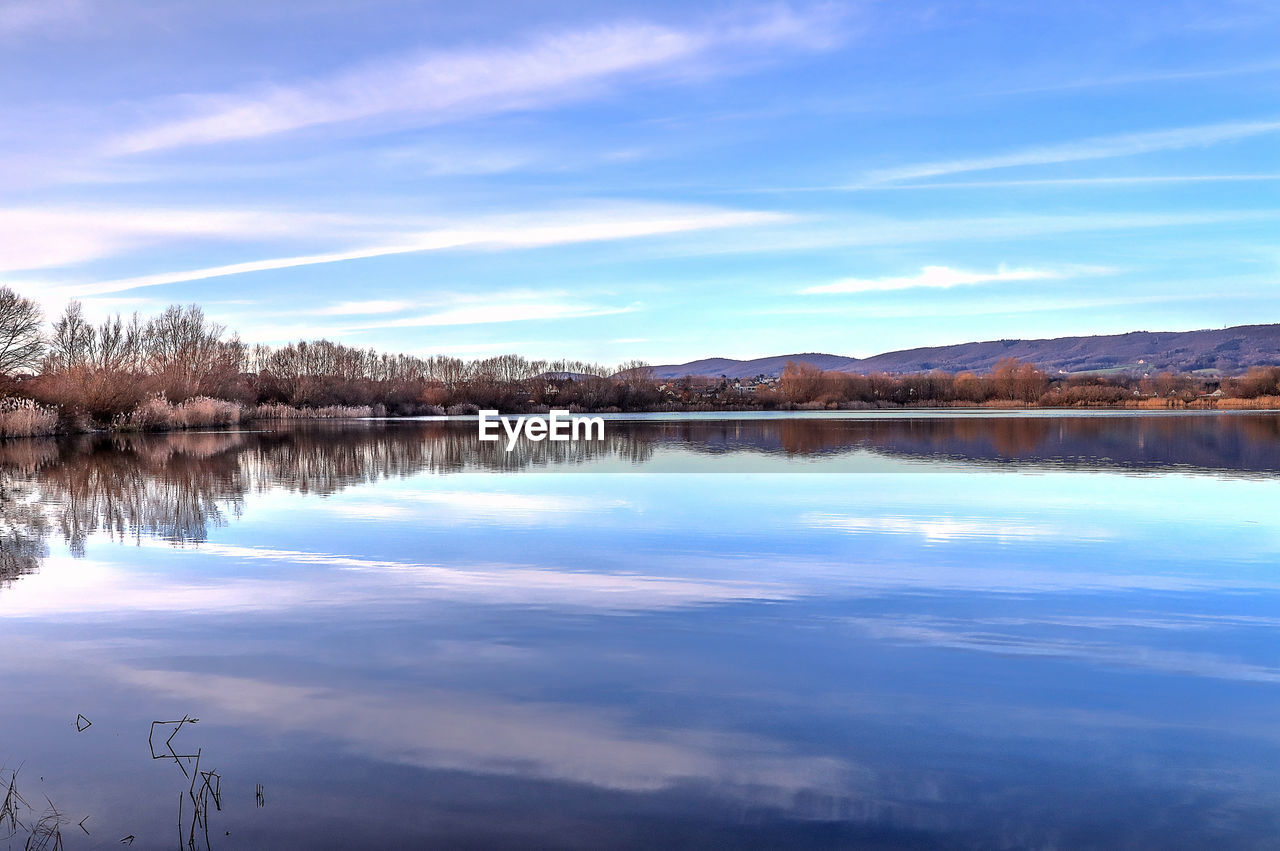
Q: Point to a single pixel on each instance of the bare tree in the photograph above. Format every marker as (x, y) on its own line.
(118, 345)
(183, 349)
(21, 343)
(635, 373)
(72, 342)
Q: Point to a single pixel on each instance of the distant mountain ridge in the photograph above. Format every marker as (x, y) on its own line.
(1225, 350)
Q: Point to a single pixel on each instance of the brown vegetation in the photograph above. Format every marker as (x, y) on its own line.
(179, 370)
(1013, 384)
(24, 418)
(1010, 382)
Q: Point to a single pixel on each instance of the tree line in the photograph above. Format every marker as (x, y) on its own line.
(97, 373)
(1017, 383)
(135, 370)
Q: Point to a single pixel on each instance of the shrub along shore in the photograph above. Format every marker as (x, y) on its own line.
(179, 370)
(26, 418)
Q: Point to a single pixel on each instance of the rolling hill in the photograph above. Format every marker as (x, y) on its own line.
(1224, 350)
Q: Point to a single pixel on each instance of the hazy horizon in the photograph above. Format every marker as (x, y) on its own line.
(658, 181)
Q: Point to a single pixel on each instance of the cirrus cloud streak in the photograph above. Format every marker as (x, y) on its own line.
(590, 224)
(1094, 148)
(936, 277)
(444, 85)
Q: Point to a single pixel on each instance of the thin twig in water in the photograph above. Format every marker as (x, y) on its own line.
(47, 834)
(168, 743)
(13, 801)
(204, 788)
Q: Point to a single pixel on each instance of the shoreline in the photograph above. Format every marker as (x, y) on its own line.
(888, 411)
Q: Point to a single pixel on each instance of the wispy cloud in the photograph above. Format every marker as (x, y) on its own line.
(505, 737)
(1141, 77)
(101, 236)
(498, 584)
(935, 277)
(980, 637)
(479, 349)
(41, 237)
(859, 230)
(476, 506)
(936, 529)
(1054, 182)
(446, 85)
(1000, 305)
(360, 308)
(494, 313)
(21, 17)
(1094, 148)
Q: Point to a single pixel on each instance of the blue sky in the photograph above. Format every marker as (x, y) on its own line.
(662, 181)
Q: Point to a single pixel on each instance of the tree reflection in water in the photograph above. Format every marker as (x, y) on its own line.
(177, 487)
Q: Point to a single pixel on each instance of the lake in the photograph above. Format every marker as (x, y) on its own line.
(991, 630)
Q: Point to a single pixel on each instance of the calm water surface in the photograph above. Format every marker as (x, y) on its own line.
(858, 631)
